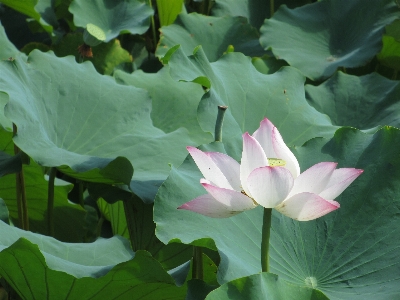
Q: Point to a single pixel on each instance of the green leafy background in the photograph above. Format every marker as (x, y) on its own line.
(115, 121)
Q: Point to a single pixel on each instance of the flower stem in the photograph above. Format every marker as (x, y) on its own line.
(80, 193)
(197, 268)
(153, 27)
(266, 230)
(129, 209)
(22, 204)
(218, 123)
(272, 7)
(50, 201)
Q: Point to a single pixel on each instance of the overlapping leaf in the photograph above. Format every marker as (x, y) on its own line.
(340, 254)
(363, 102)
(250, 96)
(87, 124)
(264, 286)
(103, 269)
(40, 10)
(174, 103)
(320, 37)
(112, 16)
(256, 11)
(106, 56)
(68, 217)
(214, 34)
(7, 48)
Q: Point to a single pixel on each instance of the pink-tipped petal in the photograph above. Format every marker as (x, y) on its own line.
(283, 152)
(269, 186)
(208, 206)
(264, 136)
(209, 168)
(229, 167)
(313, 180)
(253, 157)
(307, 206)
(234, 200)
(274, 147)
(340, 180)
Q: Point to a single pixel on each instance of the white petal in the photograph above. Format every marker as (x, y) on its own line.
(274, 147)
(307, 206)
(340, 180)
(229, 167)
(269, 186)
(283, 152)
(209, 168)
(264, 136)
(219, 203)
(253, 157)
(313, 180)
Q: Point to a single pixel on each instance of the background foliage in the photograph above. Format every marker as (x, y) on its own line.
(109, 113)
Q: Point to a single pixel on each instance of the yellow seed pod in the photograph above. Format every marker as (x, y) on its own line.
(276, 162)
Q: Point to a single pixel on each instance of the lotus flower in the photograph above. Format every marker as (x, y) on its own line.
(269, 175)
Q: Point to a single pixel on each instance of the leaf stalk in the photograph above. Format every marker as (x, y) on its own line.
(218, 123)
(50, 201)
(22, 205)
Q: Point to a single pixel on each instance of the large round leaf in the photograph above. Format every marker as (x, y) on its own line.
(77, 259)
(99, 271)
(106, 56)
(264, 286)
(87, 125)
(112, 16)
(256, 11)
(348, 254)
(250, 96)
(363, 102)
(68, 217)
(320, 37)
(174, 103)
(214, 34)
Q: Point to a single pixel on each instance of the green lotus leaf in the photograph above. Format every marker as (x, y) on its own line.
(256, 11)
(348, 254)
(214, 34)
(112, 16)
(105, 58)
(170, 256)
(99, 142)
(168, 10)
(364, 102)
(174, 103)
(7, 48)
(4, 214)
(68, 217)
(251, 96)
(103, 269)
(393, 30)
(77, 259)
(9, 164)
(264, 286)
(4, 122)
(41, 11)
(320, 37)
(389, 55)
(267, 64)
